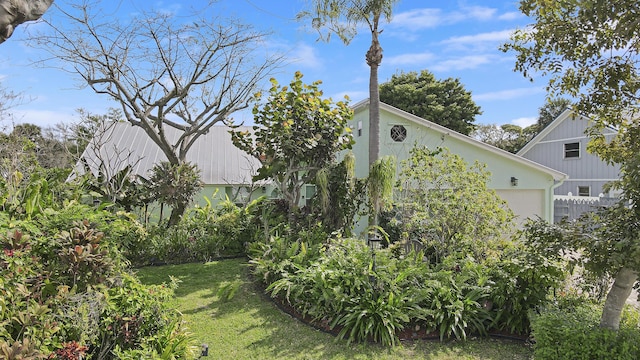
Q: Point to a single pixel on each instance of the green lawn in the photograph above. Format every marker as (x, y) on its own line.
(250, 326)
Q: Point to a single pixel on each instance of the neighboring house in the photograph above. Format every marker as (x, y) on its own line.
(526, 186)
(224, 168)
(562, 145)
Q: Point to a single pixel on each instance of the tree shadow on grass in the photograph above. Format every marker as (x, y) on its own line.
(249, 324)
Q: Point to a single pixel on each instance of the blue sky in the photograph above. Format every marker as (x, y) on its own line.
(452, 39)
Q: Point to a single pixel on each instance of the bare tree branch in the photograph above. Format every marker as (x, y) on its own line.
(163, 70)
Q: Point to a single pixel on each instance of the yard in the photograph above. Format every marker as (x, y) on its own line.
(248, 325)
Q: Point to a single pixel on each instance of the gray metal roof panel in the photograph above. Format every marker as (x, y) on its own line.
(218, 159)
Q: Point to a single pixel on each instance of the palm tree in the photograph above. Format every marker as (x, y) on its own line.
(342, 17)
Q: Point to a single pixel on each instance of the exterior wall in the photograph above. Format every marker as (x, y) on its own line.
(585, 170)
(535, 186)
(525, 203)
(212, 193)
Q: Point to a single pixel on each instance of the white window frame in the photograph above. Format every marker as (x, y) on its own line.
(564, 147)
(584, 187)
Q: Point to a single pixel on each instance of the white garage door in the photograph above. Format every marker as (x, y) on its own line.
(524, 203)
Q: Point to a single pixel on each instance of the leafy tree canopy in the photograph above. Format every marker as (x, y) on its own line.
(511, 137)
(550, 111)
(508, 137)
(446, 204)
(589, 50)
(443, 102)
(297, 133)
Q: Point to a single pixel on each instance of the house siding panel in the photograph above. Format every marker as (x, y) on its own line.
(586, 170)
(532, 178)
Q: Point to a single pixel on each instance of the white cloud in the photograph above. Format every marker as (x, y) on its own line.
(306, 56)
(481, 13)
(168, 8)
(417, 19)
(409, 59)
(508, 94)
(354, 96)
(508, 16)
(523, 122)
(425, 18)
(494, 36)
(463, 63)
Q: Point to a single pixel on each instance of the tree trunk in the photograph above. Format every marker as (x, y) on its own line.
(616, 298)
(176, 214)
(374, 58)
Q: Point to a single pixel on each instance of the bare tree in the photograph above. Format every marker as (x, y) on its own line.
(16, 12)
(8, 100)
(164, 71)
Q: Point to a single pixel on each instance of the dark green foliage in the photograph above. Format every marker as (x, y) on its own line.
(175, 185)
(460, 295)
(572, 332)
(445, 204)
(338, 289)
(443, 102)
(67, 290)
(524, 276)
(84, 256)
(550, 111)
(122, 188)
(339, 197)
(202, 234)
(508, 137)
(341, 287)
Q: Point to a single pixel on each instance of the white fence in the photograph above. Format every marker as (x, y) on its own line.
(571, 207)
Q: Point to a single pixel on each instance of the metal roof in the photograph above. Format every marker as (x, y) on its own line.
(219, 160)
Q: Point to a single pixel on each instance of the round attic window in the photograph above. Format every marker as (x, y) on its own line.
(398, 133)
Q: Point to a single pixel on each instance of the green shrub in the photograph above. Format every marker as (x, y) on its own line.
(523, 279)
(27, 303)
(121, 230)
(203, 233)
(135, 314)
(68, 292)
(342, 289)
(280, 256)
(460, 292)
(574, 333)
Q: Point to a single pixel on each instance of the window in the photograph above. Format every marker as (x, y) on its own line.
(359, 128)
(309, 191)
(398, 133)
(571, 150)
(584, 191)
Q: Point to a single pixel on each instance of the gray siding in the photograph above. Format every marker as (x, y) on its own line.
(585, 170)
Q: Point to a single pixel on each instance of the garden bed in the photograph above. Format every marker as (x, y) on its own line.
(409, 333)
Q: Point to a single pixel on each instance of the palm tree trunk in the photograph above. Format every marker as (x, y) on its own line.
(616, 298)
(374, 58)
